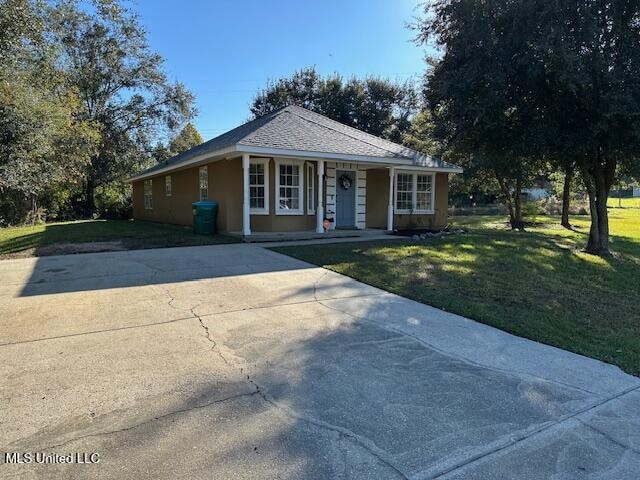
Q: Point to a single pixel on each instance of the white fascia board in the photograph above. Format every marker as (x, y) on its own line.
(417, 168)
(397, 162)
(188, 163)
(282, 152)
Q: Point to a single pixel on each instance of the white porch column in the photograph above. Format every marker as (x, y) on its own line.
(246, 218)
(392, 174)
(320, 207)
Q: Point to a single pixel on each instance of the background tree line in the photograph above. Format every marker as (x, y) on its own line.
(83, 104)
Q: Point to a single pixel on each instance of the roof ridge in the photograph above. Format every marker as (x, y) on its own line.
(349, 127)
(289, 110)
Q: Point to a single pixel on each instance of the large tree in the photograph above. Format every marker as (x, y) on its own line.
(122, 87)
(43, 147)
(375, 105)
(529, 79)
(591, 50)
(475, 92)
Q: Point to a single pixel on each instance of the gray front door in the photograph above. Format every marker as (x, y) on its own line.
(345, 199)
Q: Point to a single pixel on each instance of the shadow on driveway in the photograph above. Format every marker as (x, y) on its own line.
(97, 271)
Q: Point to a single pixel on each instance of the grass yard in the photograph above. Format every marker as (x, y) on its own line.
(97, 235)
(536, 284)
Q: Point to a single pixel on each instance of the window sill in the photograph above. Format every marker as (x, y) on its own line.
(414, 212)
(259, 212)
(289, 212)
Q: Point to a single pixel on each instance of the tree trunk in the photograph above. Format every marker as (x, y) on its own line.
(518, 221)
(598, 180)
(34, 208)
(508, 199)
(566, 196)
(89, 194)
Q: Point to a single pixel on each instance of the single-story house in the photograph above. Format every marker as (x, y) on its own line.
(294, 170)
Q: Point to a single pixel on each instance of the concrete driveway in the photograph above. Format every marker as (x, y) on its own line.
(236, 362)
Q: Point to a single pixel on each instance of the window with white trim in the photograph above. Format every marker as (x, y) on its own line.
(148, 194)
(311, 201)
(289, 187)
(259, 186)
(424, 192)
(404, 191)
(415, 192)
(167, 185)
(203, 179)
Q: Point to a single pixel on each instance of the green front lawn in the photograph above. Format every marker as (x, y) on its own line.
(536, 284)
(98, 235)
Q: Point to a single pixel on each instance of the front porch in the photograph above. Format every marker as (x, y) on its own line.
(267, 237)
(291, 197)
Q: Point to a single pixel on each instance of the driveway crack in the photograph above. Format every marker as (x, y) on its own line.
(381, 455)
(209, 337)
(156, 418)
(315, 285)
(364, 442)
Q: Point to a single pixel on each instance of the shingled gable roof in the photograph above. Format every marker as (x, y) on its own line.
(297, 131)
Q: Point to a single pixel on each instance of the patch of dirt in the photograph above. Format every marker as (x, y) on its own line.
(89, 247)
(69, 248)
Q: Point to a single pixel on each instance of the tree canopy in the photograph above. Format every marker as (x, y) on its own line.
(375, 105)
(520, 81)
(187, 138)
(83, 99)
(121, 84)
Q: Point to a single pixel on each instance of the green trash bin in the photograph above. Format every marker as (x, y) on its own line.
(205, 215)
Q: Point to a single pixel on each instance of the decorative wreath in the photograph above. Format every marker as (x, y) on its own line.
(345, 182)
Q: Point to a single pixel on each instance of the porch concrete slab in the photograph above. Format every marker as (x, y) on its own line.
(233, 361)
(320, 241)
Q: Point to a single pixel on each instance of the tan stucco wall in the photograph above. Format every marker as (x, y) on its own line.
(377, 197)
(284, 223)
(377, 203)
(176, 209)
(225, 187)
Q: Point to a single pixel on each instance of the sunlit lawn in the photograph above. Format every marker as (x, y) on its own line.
(537, 284)
(128, 233)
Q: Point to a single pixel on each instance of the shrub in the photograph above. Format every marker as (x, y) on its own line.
(113, 201)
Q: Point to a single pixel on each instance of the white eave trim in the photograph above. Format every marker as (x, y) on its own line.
(187, 163)
(398, 163)
(418, 168)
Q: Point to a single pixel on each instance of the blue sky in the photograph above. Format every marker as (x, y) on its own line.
(225, 50)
